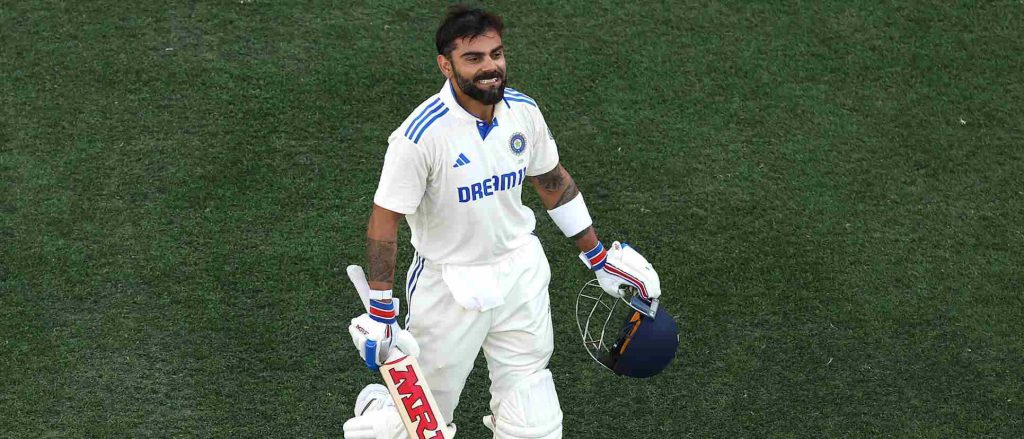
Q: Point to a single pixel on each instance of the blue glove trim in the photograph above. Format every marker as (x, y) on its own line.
(596, 257)
(381, 305)
(595, 251)
(383, 312)
(370, 350)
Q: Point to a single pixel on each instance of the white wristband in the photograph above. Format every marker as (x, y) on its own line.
(572, 217)
(380, 294)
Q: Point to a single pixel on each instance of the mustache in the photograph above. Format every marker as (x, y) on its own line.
(490, 75)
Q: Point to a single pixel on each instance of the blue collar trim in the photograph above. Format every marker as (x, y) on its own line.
(485, 128)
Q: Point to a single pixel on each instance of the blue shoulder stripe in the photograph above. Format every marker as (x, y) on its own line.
(517, 93)
(420, 125)
(424, 129)
(514, 95)
(420, 116)
(525, 101)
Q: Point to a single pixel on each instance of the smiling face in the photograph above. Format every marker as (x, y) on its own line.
(477, 67)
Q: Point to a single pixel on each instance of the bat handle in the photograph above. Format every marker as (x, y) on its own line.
(358, 278)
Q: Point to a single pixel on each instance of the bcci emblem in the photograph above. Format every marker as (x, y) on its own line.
(517, 143)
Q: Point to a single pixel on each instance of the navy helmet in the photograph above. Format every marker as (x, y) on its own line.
(643, 345)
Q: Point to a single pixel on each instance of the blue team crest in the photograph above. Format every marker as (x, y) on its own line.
(517, 143)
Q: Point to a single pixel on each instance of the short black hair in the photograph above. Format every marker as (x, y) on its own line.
(465, 21)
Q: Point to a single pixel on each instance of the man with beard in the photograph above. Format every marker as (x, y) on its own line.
(455, 170)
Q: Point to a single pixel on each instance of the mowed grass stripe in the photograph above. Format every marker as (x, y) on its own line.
(830, 193)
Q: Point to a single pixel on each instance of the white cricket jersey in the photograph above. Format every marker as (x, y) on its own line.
(459, 181)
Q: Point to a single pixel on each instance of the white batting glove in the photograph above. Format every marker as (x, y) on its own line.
(374, 332)
(621, 268)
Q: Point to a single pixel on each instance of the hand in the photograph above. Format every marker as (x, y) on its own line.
(374, 332)
(621, 268)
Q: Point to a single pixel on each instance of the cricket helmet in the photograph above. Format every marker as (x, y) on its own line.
(638, 339)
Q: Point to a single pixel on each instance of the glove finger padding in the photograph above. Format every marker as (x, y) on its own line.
(405, 342)
(629, 268)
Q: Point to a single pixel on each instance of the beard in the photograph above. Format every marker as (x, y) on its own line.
(487, 96)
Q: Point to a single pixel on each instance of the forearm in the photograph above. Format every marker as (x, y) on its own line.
(557, 188)
(586, 240)
(382, 248)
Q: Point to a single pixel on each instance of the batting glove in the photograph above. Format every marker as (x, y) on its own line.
(373, 333)
(621, 268)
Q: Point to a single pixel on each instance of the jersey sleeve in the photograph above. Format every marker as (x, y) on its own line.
(545, 155)
(403, 179)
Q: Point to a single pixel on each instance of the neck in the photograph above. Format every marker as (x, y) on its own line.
(478, 109)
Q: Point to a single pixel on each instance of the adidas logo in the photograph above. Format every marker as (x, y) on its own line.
(462, 160)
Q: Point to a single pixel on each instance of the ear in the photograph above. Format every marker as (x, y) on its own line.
(445, 66)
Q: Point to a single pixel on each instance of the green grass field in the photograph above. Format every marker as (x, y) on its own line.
(833, 194)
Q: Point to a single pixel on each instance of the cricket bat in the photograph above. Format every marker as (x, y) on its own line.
(403, 377)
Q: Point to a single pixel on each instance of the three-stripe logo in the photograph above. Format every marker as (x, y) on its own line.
(462, 160)
(427, 116)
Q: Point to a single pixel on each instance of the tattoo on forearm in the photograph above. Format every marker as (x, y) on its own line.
(577, 236)
(381, 255)
(568, 194)
(552, 180)
(557, 181)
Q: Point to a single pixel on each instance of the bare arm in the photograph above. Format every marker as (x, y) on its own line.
(555, 188)
(382, 247)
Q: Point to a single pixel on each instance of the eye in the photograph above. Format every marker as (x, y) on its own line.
(499, 54)
(473, 58)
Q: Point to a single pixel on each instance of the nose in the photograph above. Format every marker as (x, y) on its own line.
(489, 65)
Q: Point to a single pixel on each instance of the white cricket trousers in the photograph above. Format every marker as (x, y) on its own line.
(516, 337)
